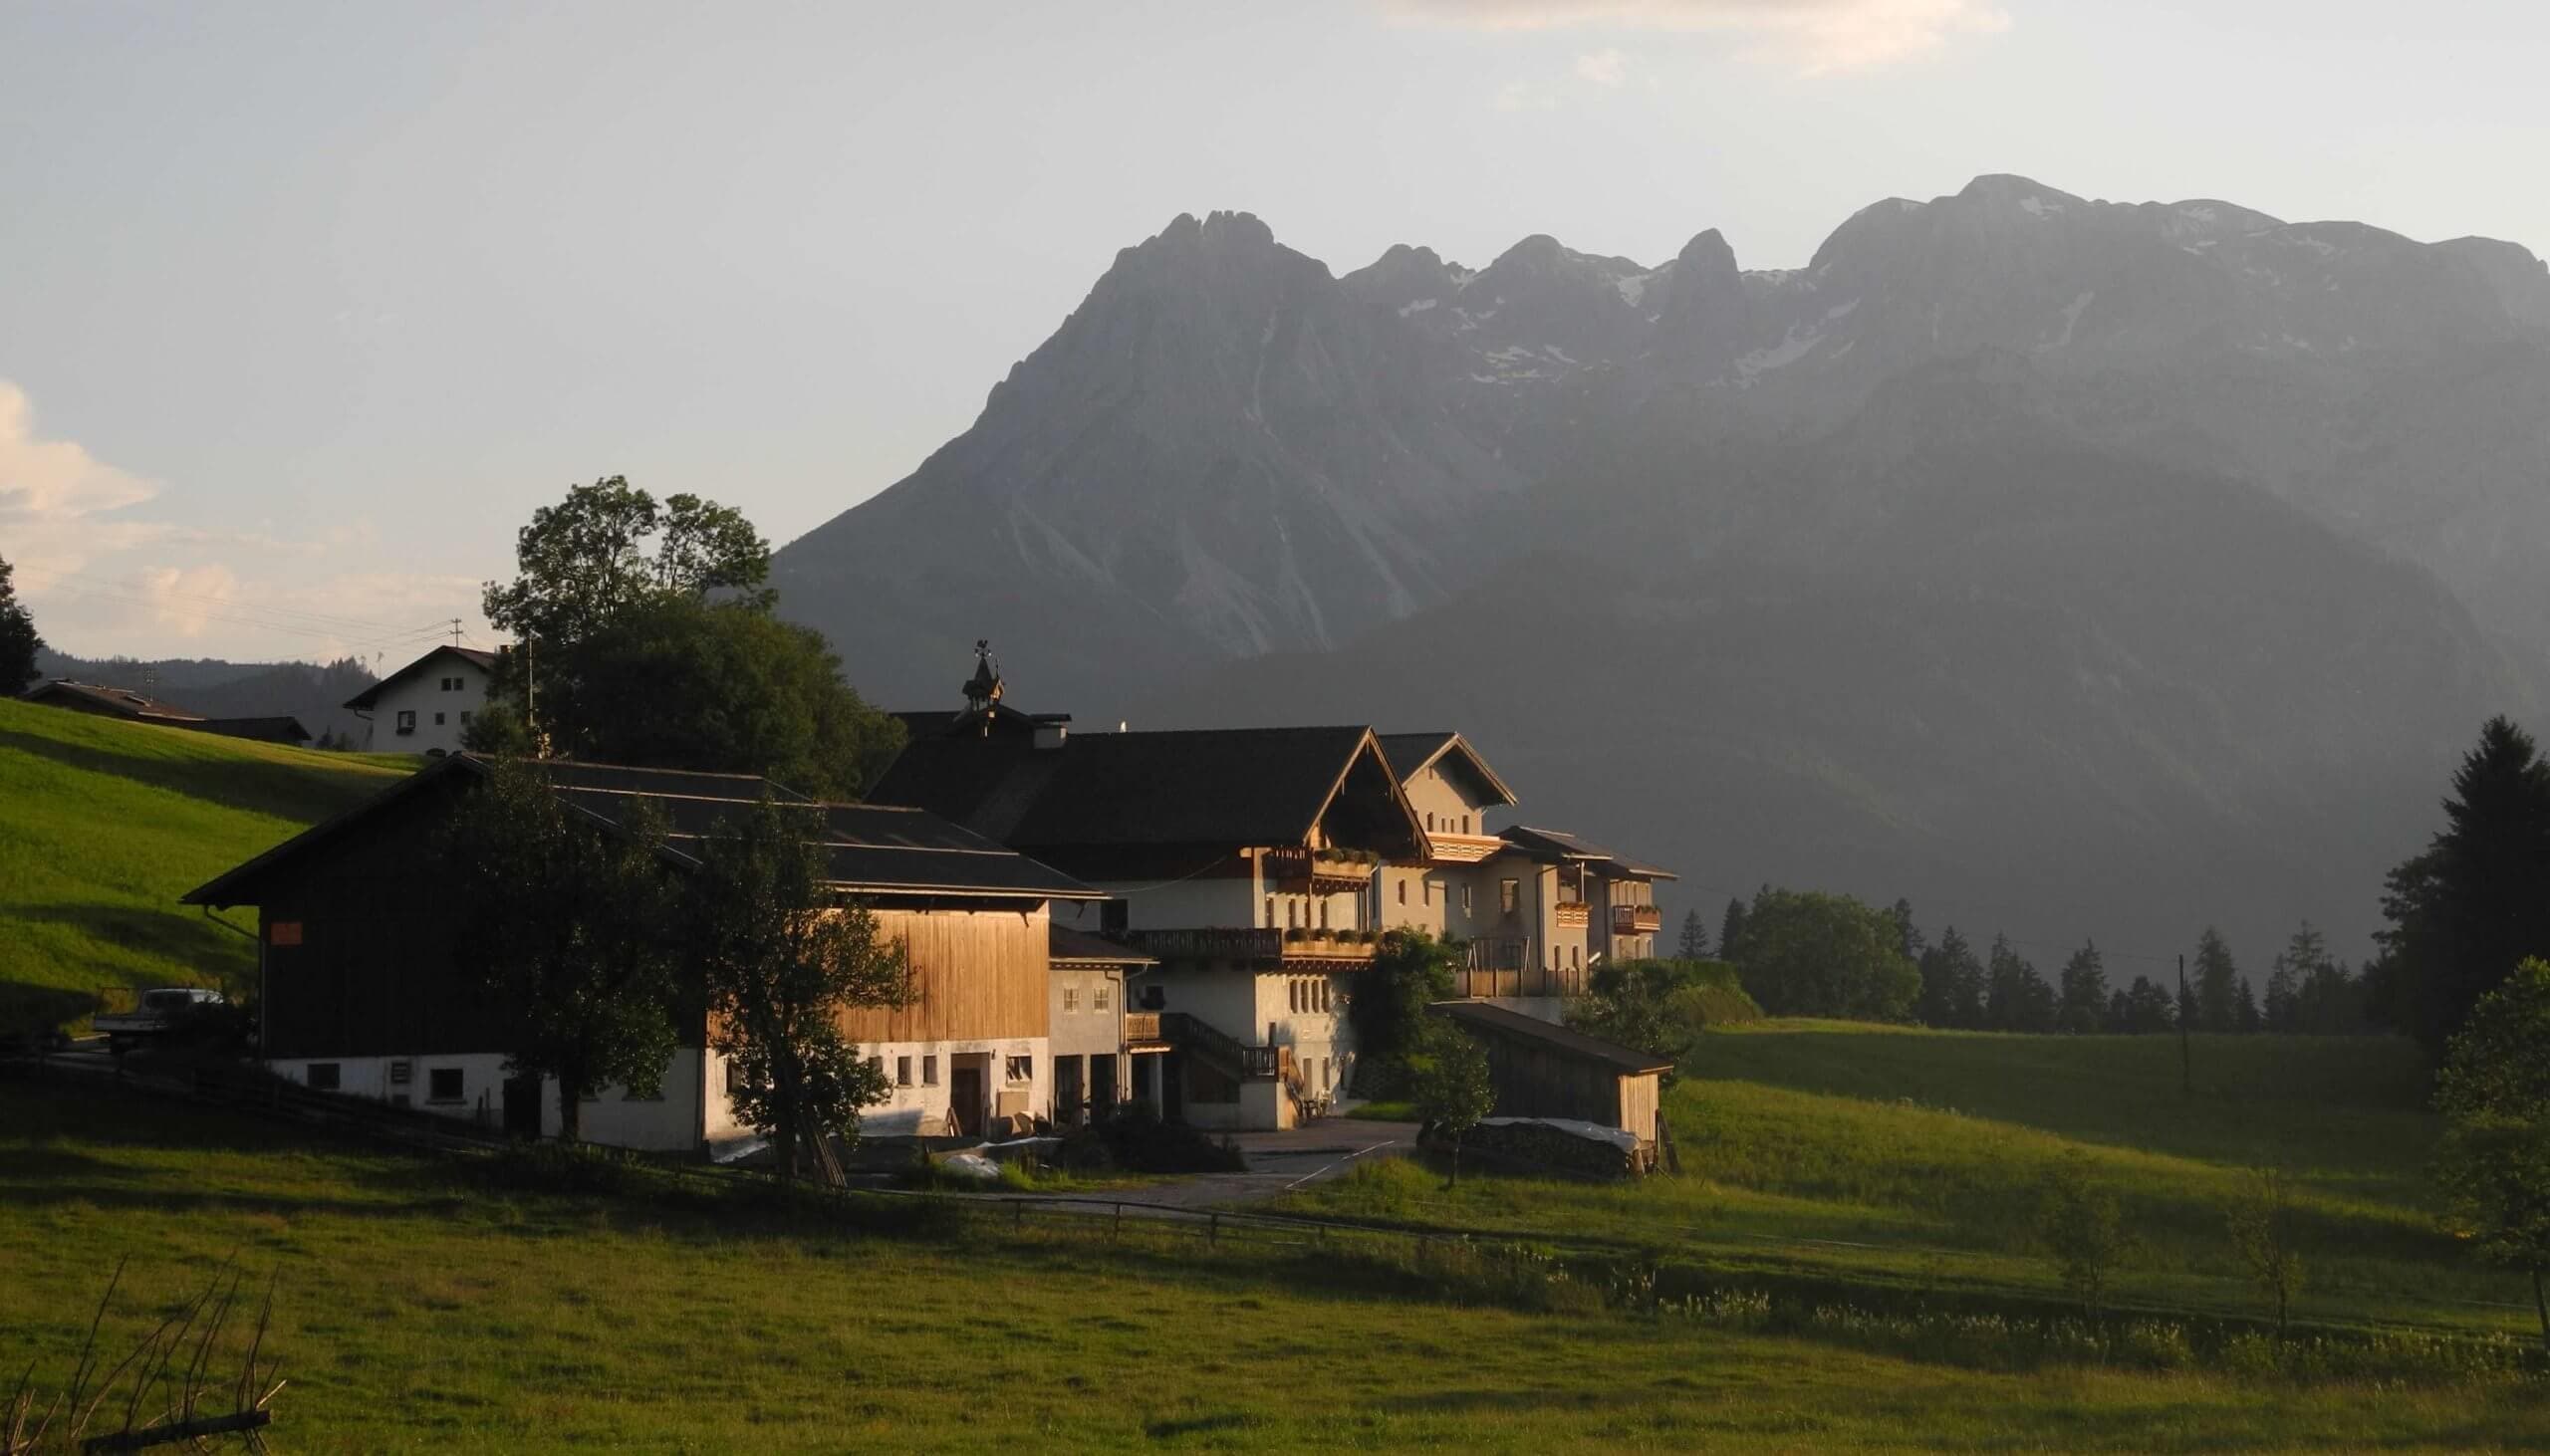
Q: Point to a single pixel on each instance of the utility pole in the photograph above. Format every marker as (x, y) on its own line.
(455, 631)
(2187, 1055)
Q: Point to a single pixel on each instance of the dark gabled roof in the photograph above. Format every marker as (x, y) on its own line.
(1498, 1021)
(1066, 946)
(873, 849)
(118, 701)
(1542, 844)
(484, 661)
(1412, 753)
(996, 721)
(1197, 787)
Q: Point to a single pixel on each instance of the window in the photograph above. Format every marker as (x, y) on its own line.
(1100, 998)
(878, 1065)
(437, 720)
(1403, 891)
(443, 1084)
(1270, 912)
(1429, 891)
(464, 717)
(407, 720)
(1070, 998)
(1294, 989)
(1325, 1002)
(930, 1072)
(1021, 1070)
(902, 1071)
(1323, 912)
(1327, 1077)
(1509, 895)
(1465, 824)
(323, 1075)
(1465, 900)
(1429, 822)
(1292, 914)
(401, 1072)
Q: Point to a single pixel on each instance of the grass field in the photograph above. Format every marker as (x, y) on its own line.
(1916, 1157)
(104, 824)
(421, 1309)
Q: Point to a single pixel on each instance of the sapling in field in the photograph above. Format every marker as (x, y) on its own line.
(2262, 1223)
(1453, 1087)
(2081, 1229)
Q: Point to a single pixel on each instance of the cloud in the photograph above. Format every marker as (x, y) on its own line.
(1811, 37)
(105, 578)
(1603, 68)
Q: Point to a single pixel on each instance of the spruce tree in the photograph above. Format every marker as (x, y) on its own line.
(18, 640)
(2465, 912)
(2084, 1002)
(1951, 984)
(2297, 966)
(2215, 984)
(1905, 931)
(1695, 945)
(2018, 999)
(2250, 1021)
(1730, 932)
(2147, 1007)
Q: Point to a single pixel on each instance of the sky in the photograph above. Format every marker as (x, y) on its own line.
(304, 308)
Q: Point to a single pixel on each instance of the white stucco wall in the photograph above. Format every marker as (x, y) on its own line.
(921, 1108)
(425, 697)
(670, 1124)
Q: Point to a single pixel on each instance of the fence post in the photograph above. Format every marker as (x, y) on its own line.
(1119, 1230)
(1213, 1235)
(1017, 1214)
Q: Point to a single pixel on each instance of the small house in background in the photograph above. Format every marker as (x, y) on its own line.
(1545, 1070)
(363, 986)
(136, 708)
(426, 707)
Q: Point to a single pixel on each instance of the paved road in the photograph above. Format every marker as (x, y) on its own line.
(1279, 1162)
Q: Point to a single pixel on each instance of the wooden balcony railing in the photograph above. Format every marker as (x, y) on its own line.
(1256, 945)
(1456, 848)
(1518, 981)
(1142, 1026)
(1323, 871)
(1571, 914)
(1636, 920)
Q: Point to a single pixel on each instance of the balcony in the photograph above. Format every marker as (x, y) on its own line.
(1636, 920)
(1447, 848)
(1257, 946)
(1141, 1029)
(1504, 967)
(1572, 914)
(1322, 872)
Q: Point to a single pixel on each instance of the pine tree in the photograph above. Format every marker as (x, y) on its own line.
(2250, 1021)
(2147, 1007)
(1695, 945)
(2296, 967)
(2084, 1002)
(1905, 931)
(2215, 985)
(2018, 999)
(1730, 932)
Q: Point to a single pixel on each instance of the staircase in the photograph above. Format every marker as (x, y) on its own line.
(1249, 1063)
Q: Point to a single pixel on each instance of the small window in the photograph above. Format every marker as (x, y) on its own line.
(1294, 989)
(1509, 895)
(902, 1071)
(1021, 1070)
(1403, 891)
(930, 1072)
(437, 720)
(1323, 912)
(1429, 822)
(323, 1075)
(443, 1084)
(1429, 891)
(1465, 824)
(1070, 998)
(1325, 1003)
(401, 1072)
(1465, 900)
(878, 1065)
(1100, 998)
(407, 720)
(1270, 912)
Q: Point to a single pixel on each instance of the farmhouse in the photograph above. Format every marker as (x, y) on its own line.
(364, 988)
(426, 707)
(1097, 1043)
(134, 708)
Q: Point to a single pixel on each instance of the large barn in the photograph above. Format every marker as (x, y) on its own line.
(362, 986)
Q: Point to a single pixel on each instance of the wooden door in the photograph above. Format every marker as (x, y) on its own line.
(965, 1099)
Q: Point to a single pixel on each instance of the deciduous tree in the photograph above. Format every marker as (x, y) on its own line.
(2494, 1091)
(1410, 969)
(2081, 1227)
(1807, 953)
(569, 927)
(1451, 1084)
(784, 958)
(2265, 1228)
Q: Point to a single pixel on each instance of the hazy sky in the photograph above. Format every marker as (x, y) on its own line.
(304, 308)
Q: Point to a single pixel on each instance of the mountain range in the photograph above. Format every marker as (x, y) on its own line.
(2074, 568)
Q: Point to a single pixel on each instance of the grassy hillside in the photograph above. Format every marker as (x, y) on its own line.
(1916, 1157)
(422, 1310)
(104, 824)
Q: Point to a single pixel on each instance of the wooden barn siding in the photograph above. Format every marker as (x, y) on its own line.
(1639, 1097)
(376, 972)
(1532, 1081)
(976, 975)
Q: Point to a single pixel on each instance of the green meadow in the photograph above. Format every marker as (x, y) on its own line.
(1914, 1159)
(422, 1308)
(104, 824)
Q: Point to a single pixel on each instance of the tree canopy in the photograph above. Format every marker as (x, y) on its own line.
(2494, 1091)
(585, 561)
(1410, 969)
(18, 640)
(1807, 953)
(570, 928)
(2463, 914)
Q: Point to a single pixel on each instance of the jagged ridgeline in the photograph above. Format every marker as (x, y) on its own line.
(2073, 567)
